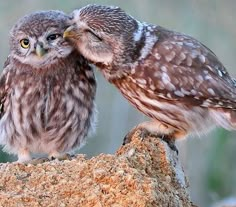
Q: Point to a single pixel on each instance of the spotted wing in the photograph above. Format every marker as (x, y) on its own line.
(4, 85)
(181, 68)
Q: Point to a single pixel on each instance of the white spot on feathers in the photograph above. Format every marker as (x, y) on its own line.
(170, 56)
(165, 78)
(199, 78)
(138, 33)
(182, 56)
(133, 71)
(220, 73)
(207, 77)
(194, 53)
(157, 56)
(141, 81)
(202, 58)
(193, 92)
(184, 91)
(189, 61)
(152, 87)
(179, 93)
(163, 68)
(211, 91)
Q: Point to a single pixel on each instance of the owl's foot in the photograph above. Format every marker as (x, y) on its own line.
(39, 160)
(142, 133)
(51, 157)
(60, 157)
(171, 142)
(147, 129)
(151, 128)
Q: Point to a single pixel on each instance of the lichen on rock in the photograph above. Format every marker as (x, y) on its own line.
(143, 173)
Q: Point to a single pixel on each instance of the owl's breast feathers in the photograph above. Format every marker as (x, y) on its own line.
(180, 68)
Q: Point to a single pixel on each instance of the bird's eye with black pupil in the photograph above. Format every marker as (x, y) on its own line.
(53, 37)
(25, 43)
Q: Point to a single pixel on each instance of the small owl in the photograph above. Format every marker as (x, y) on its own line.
(171, 77)
(47, 90)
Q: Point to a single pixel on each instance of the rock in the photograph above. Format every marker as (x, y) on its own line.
(143, 173)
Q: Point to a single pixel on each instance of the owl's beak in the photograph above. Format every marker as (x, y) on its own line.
(40, 51)
(70, 32)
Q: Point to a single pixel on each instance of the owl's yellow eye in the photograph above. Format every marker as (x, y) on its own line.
(25, 43)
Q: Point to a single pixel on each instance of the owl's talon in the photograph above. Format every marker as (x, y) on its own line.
(38, 161)
(171, 143)
(61, 157)
(65, 156)
(142, 134)
(128, 137)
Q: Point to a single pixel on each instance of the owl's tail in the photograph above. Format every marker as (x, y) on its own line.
(225, 118)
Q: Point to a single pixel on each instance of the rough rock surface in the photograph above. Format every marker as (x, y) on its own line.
(142, 174)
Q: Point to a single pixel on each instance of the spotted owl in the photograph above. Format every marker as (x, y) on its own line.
(172, 78)
(47, 90)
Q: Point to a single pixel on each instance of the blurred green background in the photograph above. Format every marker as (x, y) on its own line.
(209, 162)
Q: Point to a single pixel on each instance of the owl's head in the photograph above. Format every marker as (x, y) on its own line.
(37, 39)
(102, 33)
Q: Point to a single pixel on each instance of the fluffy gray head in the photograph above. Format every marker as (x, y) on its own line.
(37, 39)
(103, 33)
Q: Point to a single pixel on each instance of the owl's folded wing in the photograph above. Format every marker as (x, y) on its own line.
(181, 68)
(4, 85)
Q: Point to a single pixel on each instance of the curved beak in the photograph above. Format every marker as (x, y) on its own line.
(40, 51)
(70, 32)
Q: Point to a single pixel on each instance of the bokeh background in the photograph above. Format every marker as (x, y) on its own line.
(209, 161)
